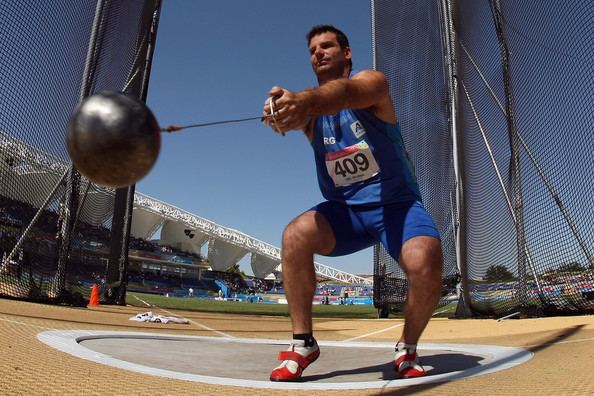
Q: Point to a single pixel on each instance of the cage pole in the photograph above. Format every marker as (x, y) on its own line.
(516, 177)
(67, 218)
(451, 65)
(129, 192)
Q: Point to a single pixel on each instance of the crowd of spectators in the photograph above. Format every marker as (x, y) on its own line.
(154, 247)
(342, 294)
(234, 281)
(36, 249)
(19, 214)
(15, 215)
(261, 285)
(143, 244)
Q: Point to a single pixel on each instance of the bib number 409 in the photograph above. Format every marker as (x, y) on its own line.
(350, 166)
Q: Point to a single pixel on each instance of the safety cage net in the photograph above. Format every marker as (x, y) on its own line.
(58, 232)
(495, 102)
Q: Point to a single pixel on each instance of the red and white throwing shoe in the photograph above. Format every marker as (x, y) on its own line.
(407, 364)
(294, 361)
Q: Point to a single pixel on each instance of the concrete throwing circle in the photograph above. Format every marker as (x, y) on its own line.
(248, 362)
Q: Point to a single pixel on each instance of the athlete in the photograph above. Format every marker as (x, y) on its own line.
(371, 196)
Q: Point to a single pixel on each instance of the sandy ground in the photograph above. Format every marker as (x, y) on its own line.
(563, 349)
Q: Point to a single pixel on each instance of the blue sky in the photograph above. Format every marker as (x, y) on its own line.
(216, 61)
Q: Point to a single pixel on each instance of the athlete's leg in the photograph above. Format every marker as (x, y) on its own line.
(410, 236)
(329, 229)
(305, 236)
(421, 260)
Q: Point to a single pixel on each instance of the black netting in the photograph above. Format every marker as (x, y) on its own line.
(526, 93)
(54, 224)
(408, 49)
(527, 90)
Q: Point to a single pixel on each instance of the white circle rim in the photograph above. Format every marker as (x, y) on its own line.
(499, 358)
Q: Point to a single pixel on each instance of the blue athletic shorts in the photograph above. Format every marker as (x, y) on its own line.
(356, 228)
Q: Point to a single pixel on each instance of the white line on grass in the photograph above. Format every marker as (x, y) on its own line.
(189, 320)
(374, 332)
(199, 324)
(142, 301)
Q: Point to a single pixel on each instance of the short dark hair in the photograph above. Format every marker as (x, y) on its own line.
(319, 29)
(342, 39)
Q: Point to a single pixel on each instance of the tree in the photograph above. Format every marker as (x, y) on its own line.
(498, 273)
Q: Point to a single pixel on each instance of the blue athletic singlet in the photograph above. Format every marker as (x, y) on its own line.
(361, 160)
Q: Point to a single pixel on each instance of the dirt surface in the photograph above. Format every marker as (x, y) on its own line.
(563, 349)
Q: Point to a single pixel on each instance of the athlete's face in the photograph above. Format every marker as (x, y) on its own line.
(328, 60)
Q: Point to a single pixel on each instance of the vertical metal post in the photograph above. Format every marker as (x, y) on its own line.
(514, 142)
(450, 45)
(70, 205)
(125, 196)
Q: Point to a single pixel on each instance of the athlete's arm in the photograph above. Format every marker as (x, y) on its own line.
(303, 122)
(367, 89)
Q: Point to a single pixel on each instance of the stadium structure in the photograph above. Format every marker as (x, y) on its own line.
(24, 166)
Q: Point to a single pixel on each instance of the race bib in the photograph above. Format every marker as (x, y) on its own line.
(351, 164)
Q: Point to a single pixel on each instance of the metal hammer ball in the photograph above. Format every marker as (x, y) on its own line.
(113, 139)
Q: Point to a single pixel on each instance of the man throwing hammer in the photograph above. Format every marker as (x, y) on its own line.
(371, 195)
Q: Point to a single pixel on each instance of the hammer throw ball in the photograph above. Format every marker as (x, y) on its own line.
(113, 139)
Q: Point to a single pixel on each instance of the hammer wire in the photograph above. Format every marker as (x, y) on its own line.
(176, 128)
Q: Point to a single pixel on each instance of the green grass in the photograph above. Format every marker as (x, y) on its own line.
(245, 308)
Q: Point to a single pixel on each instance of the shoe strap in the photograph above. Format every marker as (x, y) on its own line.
(410, 364)
(404, 357)
(295, 357)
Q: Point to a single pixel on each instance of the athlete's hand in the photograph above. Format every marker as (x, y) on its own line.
(292, 109)
(270, 113)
